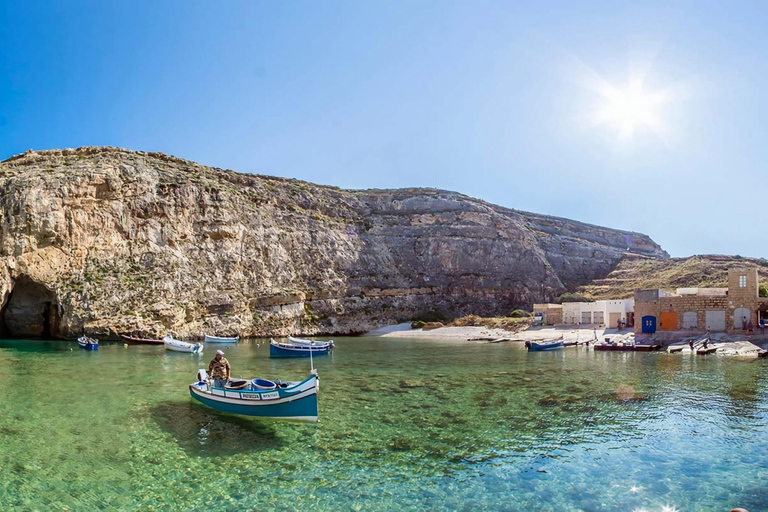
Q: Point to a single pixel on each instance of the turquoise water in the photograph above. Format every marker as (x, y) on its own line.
(405, 425)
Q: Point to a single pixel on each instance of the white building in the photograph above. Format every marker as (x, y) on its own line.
(601, 312)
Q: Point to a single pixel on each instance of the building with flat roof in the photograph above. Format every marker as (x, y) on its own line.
(729, 309)
(548, 314)
(600, 312)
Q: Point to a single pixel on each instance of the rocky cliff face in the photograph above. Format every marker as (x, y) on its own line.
(105, 241)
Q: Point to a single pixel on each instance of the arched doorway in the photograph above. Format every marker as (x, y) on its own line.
(740, 318)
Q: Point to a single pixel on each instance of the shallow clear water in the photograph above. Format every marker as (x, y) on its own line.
(405, 424)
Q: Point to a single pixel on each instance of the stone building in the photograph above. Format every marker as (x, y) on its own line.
(712, 309)
(548, 314)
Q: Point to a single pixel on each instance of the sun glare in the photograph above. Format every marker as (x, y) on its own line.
(633, 109)
(630, 109)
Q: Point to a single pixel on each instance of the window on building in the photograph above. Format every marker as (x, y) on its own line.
(742, 281)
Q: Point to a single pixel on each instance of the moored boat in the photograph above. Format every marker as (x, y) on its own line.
(219, 339)
(538, 346)
(300, 341)
(647, 348)
(132, 340)
(182, 346)
(260, 397)
(626, 347)
(88, 343)
(319, 348)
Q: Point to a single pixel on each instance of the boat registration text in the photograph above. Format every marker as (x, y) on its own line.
(260, 396)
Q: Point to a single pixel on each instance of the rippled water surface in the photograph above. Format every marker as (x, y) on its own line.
(405, 425)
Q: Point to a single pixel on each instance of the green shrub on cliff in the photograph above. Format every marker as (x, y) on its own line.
(573, 297)
(434, 315)
(763, 290)
(519, 313)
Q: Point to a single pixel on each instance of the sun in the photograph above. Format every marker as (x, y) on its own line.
(629, 109)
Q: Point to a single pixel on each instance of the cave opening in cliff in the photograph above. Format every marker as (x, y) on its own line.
(31, 311)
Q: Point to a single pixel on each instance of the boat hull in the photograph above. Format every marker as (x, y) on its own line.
(297, 402)
(626, 348)
(88, 343)
(130, 340)
(541, 347)
(647, 348)
(217, 339)
(175, 345)
(285, 350)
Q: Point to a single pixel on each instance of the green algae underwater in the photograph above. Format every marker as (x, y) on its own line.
(404, 424)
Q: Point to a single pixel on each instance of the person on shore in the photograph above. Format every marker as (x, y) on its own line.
(750, 327)
(219, 370)
(762, 326)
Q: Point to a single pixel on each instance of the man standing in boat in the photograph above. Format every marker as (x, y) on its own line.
(219, 370)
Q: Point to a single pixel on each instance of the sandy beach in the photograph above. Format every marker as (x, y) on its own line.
(569, 333)
(404, 331)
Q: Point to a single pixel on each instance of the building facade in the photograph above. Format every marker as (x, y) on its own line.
(601, 312)
(548, 314)
(728, 309)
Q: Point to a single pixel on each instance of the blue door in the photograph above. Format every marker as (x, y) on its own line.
(649, 324)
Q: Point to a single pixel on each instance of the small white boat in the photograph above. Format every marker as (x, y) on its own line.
(299, 341)
(219, 339)
(182, 346)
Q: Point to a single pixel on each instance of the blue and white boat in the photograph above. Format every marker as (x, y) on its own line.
(538, 346)
(317, 348)
(260, 397)
(219, 339)
(175, 345)
(88, 343)
(301, 341)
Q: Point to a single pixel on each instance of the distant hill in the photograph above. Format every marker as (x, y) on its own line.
(668, 274)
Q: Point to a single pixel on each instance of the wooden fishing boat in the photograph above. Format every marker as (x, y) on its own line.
(260, 397)
(319, 348)
(219, 339)
(88, 343)
(182, 346)
(647, 348)
(538, 346)
(626, 347)
(131, 340)
(615, 347)
(300, 341)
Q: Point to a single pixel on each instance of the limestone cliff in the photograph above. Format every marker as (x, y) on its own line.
(105, 240)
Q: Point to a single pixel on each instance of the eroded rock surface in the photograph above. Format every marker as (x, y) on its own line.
(105, 240)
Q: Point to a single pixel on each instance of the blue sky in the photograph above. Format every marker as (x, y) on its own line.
(496, 100)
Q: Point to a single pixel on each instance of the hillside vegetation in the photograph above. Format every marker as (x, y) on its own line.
(645, 273)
